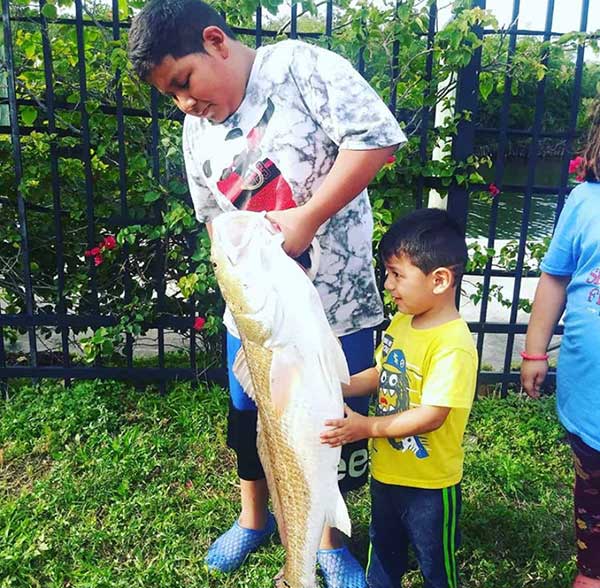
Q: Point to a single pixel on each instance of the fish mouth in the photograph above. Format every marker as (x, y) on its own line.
(237, 237)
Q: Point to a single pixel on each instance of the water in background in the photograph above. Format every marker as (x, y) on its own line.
(510, 207)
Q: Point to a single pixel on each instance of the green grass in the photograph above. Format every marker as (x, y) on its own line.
(103, 486)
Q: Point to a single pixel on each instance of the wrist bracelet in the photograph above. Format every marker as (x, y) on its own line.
(531, 357)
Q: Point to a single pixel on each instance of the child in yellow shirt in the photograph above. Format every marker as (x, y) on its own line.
(425, 374)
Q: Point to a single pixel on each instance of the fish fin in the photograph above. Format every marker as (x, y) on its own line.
(285, 376)
(242, 373)
(338, 517)
(338, 359)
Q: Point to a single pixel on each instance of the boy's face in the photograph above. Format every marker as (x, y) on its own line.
(411, 289)
(208, 85)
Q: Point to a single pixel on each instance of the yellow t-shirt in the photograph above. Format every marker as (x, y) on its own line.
(435, 367)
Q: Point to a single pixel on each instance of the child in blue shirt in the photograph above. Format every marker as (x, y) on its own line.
(570, 280)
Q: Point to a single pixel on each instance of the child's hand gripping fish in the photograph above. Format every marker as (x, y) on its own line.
(292, 365)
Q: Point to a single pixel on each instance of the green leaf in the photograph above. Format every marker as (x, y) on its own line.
(151, 196)
(486, 85)
(29, 48)
(50, 11)
(123, 9)
(29, 114)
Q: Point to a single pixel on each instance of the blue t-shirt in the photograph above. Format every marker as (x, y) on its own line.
(575, 252)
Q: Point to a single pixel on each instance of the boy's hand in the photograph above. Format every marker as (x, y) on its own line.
(298, 227)
(353, 428)
(533, 374)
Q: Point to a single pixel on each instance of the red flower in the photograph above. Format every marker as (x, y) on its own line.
(92, 252)
(199, 323)
(575, 165)
(391, 159)
(98, 259)
(493, 190)
(109, 242)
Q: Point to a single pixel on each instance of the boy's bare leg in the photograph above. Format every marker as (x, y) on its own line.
(331, 538)
(254, 498)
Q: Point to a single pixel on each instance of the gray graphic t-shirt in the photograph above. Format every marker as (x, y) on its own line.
(302, 105)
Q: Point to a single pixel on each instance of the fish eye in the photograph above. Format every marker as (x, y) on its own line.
(393, 380)
(383, 378)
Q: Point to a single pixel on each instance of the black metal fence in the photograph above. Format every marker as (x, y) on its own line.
(469, 132)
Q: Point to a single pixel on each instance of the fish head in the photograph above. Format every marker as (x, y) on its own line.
(244, 246)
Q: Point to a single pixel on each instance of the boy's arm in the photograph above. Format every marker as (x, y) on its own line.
(415, 421)
(349, 176)
(362, 384)
(548, 305)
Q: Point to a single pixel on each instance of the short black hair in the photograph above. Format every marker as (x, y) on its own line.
(429, 238)
(170, 27)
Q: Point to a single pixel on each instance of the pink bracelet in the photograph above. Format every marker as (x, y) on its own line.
(530, 357)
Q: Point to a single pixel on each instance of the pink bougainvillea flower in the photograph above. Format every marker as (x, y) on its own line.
(92, 252)
(199, 323)
(391, 159)
(493, 190)
(98, 259)
(575, 164)
(109, 242)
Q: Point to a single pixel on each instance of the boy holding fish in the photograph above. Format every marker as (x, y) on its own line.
(425, 375)
(293, 130)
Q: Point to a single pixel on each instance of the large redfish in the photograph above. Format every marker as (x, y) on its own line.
(292, 365)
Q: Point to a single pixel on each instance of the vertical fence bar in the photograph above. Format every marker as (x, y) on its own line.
(575, 103)
(4, 120)
(360, 66)
(124, 208)
(329, 22)
(467, 98)
(532, 161)
(258, 29)
(18, 161)
(498, 170)
(61, 306)
(86, 148)
(160, 248)
(191, 246)
(294, 21)
(426, 112)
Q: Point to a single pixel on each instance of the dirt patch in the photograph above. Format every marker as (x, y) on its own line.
(18, 476)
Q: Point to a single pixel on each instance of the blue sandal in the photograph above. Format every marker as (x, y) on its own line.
(340, 569)
(230, 550)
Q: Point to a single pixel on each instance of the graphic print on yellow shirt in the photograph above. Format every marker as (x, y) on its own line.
(434, 367)
(394, 398)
